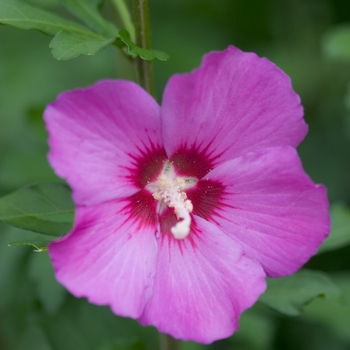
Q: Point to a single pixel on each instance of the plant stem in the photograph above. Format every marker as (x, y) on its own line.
(169, 343)
(144, 68)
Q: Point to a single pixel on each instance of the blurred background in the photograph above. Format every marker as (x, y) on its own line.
(308, 39)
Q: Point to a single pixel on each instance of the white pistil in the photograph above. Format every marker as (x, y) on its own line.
(173, 196)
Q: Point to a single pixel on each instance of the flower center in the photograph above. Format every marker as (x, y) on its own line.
(169, 190)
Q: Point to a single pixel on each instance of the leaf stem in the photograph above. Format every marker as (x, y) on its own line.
(125, 17)
(169, 343)
(144, 68)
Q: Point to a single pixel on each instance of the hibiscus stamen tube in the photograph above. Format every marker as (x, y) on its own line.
(183, 209)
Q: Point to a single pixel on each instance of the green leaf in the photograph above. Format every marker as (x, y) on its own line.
(125, 16)
(67, 45)
(81, 325)
(340, 232)
(256, 330)
(87, 11)
(135, 50)
(23, 16)
(39, 246)
(336, 43)
(71, 39)
(325, 313)
(44, 208)
(48, 290)
(290, 294)
(122, 344)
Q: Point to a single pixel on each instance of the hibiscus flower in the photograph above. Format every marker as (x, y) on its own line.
(183, 209)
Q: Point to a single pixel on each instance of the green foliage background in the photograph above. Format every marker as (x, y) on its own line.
(308, 39)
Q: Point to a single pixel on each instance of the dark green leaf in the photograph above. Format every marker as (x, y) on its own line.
(23, 16)
(44, 208)
(122, 344)
(290, 294)
(340, 233)
(256, 330)
(135, 50)
(337, 318)
(87, 11)
(80, 325)
(39, 246)
(32, 338)
(67, 45)
(347, 105)
(336, 43)
(48, 290)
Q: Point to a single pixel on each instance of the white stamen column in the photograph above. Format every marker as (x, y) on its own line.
(170, 190)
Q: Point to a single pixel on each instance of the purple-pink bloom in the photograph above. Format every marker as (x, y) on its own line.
(183, 210)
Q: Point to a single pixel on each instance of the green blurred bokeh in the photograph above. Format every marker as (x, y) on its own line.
(35, 312)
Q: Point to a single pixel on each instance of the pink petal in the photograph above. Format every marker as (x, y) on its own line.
(102, 138)
(234, 103)
(202, 285)
(109, 258)
(272, 208)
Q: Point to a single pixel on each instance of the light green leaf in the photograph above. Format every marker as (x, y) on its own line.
(336, 43)
(71, 39)
(67, 45)
(340, 232)
(135, 50)
(290, 294)
(125, 17)
(39, 246)
(23, 16)
(44, 208)
(87, 11)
